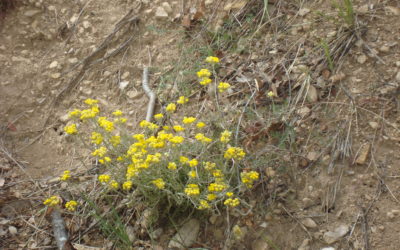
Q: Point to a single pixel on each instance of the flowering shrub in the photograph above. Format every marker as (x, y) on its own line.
(179, 161)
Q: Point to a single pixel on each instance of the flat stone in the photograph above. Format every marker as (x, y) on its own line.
(161, 13)
(310, 223)
(125, 75)
(123, 85)
(373, 125)
(335, 235)
(55, 75)
(303, 111)
(362, 59)
(167, 7)
(31, 13)
(384, 48)
(398, 76)
(73, 60)
(186, 235)
(304, 11)
(260, 244)
(395, 11)
(53, 65)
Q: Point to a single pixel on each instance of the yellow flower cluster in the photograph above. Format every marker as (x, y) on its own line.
(202, 138)
(192, 190)
(158, 116)
(117, 113)
(212, 59)
(200, 125)
(71, 129)
(172, 165)
(96, 138)
(178, 128)
(66, 175)
(204, 205)
(105, 124)
(114, 184)
(115, 140)
(204, 76)
(192, 174)
(52, 201)
(104, 178)
(171, 107)
(225, 136)
(71, 205)
(222, 86)
(248, 178)
(188, 120)
(159, 183)
(234, 153)
(232, 202)
(100, 152)
(217, 187)
(127, 185)
(91, 102)
(182, 100)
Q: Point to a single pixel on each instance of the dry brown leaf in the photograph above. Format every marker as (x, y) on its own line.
(312, 94)
(186, 21)
(363, 155)
(200, 11)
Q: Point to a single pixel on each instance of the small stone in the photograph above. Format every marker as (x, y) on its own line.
(260, 244)
(328, 248)
(395, 11)
(134, 94)
(186, 235)
(64, 118)
(125, 75)
(307, 202)
(312, 156)
(161, 13)
(123, 85)
(208, 2)
(73, 60)
(303, 112)
(13, 230)
(305, 245)
(107, 73)
(395, 212)
(390, 215)
(362, 59)
(130, 231)
(363, 155)
(363, 9)
(31, 13)
(312, 94)
(398, 76)
(310, 223)
(86, 24)
(333, 236)
(55, 75)
(373, 125)
(156, 233)
(167, 7)
(213, 218)
(304, 11)
(398, 64)
(53, 65)
(264, 224)
(384, 48)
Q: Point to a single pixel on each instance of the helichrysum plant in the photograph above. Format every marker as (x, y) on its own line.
(177, 161)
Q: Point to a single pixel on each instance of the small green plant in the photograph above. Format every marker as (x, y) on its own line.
(346, 12)
(327, 53)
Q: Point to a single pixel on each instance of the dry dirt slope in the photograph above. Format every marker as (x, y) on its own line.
(40, 43)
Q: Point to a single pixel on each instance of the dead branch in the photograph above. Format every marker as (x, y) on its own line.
(149, 93)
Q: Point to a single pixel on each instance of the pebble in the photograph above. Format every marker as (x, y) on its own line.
(55, 75)
(53, 65)
(260, 244)
(395, 11)
(362, 59)
(107, 73)
(307, 202)
(335, 235)
(398, 76)
(310, 223)
(125, 75)
(390, 215)
(31, 13)
(384, 48)
(303, 112)
(328, 248)
(373, 125)
(186, 235)
(167, 7)
(312, 156)
(13, 230)
(398, 64)
(86, 24)
(161, 13)
(304, 11)
(305, 245)
(123, 85)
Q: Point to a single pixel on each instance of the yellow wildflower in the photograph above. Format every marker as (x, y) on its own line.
(205, 81)
(229, 194)
(127, 185)
(178, 128)
(104, 178)
(248, 178)
(117, 113)
(225, 136)
(100, 152)
(202, 138)
(71, 205)
(166, 128)
(193, 163)
(71, 129)
(182, 100)
(212, 59)
(105, 124)
(270, 94)
(66, 175)
(171, 107)
(172, 165)
(209, 165)
(74, 113)
(232, 202)
(183, 159)
(176, 139)
(200, 124)
(52, 201)
(223, 86)
(91, 102)
(216, 187)
(153, 126)
(158, 116)
(120, 120)
(188, 120)
(97, 138)
(234, 153)
(192, 174)
(203, 205)
(114, 184)
(211, 197)
(115, 140)
(217, 173)
(203, 73)
(89, 113)
(120, 158)
(192, 190)
(159, 183)
(105, 159)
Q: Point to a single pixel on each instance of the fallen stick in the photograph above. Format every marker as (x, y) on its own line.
(60, 233)
(149, 93)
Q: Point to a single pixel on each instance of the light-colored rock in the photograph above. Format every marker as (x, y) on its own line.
(398, 64)
(362, 59)
(373, 125)
(335, 235)
(310, 223)
(390, 215)
(53, 65)
(304, 111)
(107, 73)
(13, 230)
(328, 248)
(64, 118)
(304, 11)
(260, 244)
(312, 94)
(307, 202)
(398, 76)
(363, 9)
(363, 154)
(384, 48)
(161, 13)
(31, 13)
(122, 85)
(305, 245)
(125, 75)
(312, 156)
(86, 24)
(186, 235)
(55, 75)
(393, 10)
(167, 7)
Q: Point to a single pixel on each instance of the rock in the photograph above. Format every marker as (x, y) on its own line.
(390, 215)
(213, 218)
(73, 60)
(305, 245)
(86, 24)
(307, 202)
(333, 236)
(125, 75)
(31, 13)
(260, 244)
(308, 222)
(303, 112)
(362, 59)
(395, 11)
(363, 9)
(13, 230)
(156, 233)
(396, 212)
(373, 125)
(134, 94)
(398, 76)
(208, 2)
(363, 155)
(53, 65)
(186, 235)
(312, 94)
(304, 11)
(384, 48)
(55, 75)
(167, 7)
(337, 77)
(107, 73)
(130, 231)
(328, 248)
(398, 64)
(64, 118)
(161, 13)
(123, 84)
